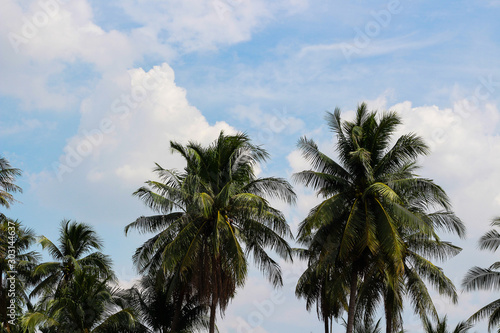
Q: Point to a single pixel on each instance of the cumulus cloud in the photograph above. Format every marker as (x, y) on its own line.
(122, 134)
(44, 38)
(464, 158)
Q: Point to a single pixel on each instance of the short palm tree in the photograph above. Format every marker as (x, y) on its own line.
(478, 278)
(213, 215)
(366, 197)
(366, 326)
(324, 287)
(78, 249)
(442, 326)
(16, 264)
(382, 286)
(7, 186)
(86, 304)
(156, 306)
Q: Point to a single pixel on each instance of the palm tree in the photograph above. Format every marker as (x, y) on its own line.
(156, 306)
(16, 265)
(365, 197)
(382, 286)
(478, 278)
(73, 254)
(442, 326)
(324, 287)
(7, 186)
(86, 304)
(213, 215)
(366, 326)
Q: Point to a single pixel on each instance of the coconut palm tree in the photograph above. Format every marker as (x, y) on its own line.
(420, 251)
(156, 305)
(380, 286)
(366, 326)
(213, 215)
(7, 186)
(78, 250)
(364, 196)
(86, 304)
(442, 326)
(324, 287)
(16, 264)
(478, 278)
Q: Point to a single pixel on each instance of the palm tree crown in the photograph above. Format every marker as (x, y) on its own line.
(78, 250)
(16, 264)
(86, 304)
(214, 214)
(7, 186)
(442, 326)
(478, 278)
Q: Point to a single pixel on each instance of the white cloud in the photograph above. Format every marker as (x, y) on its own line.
(380, 103)
(44, 40)
(361, 45)
(270, 122)
(464, 147)
(297, 162)
(47, 37)
(205, 25)
(121, 136)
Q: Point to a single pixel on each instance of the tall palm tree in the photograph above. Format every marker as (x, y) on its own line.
(78, 249)
(365, 196)
(7, 186)
(442, 326)
(478, 278)
(16, 264)
(213, 215)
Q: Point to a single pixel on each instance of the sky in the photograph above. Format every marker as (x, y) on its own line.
(92, 92)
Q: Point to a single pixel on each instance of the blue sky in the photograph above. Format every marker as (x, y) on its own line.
(92, 92)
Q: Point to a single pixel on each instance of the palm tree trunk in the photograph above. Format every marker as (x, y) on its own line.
(388, 321)
(389, 313)
(352, 300)
(213, 307)
(178, 308)
(326, 324)
(213, 303)
(3, 303)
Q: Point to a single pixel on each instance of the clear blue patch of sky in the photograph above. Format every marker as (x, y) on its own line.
(8, 107)
(109, 15)
(76, 78)
(41, 144)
